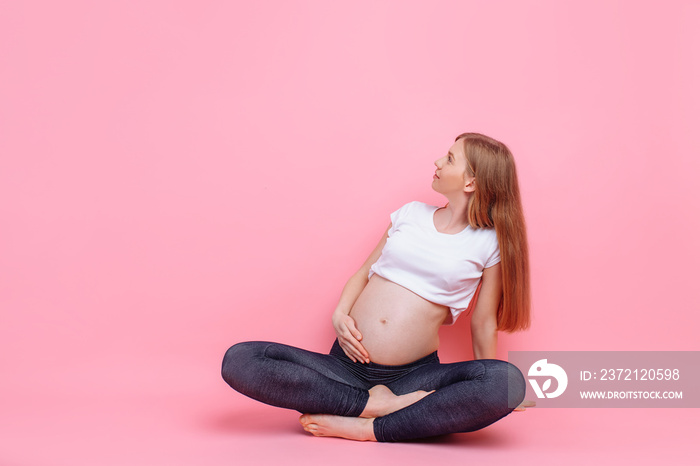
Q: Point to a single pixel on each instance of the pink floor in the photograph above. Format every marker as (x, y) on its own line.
(88, 416)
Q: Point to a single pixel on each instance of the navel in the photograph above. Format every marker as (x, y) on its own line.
(384, 321)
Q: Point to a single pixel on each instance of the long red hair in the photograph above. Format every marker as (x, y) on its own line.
(496, 203)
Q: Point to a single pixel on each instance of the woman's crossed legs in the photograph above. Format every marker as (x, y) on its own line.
(346, 399)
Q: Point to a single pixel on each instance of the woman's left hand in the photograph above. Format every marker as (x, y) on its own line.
(525, 404)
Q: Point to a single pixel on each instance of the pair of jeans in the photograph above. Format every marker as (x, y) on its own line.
(469, 395)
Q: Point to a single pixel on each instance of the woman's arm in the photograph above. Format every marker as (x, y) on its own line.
(348, 335)
(484, 334)
(484, 322)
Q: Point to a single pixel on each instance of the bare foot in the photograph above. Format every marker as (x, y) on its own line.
(382, 401)
(327, 425)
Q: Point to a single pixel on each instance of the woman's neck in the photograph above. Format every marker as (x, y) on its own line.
(456, 209)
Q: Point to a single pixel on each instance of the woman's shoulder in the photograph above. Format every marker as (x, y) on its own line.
(418, 205)
(408, 210)
(414, 207)
(489, 234)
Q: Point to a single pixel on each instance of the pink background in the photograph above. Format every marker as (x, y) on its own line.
(176, 177)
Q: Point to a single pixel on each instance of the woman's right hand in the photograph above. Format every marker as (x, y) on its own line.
(349, 337)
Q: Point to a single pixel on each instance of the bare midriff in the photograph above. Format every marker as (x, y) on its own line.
(397, 325)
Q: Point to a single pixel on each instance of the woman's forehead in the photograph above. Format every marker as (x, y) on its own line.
(457, 149)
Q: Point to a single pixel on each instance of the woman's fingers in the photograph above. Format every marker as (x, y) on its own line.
(353, 337)
(351, 354)
(355, 333)
(353, 348)
(361, 351)
(350, 325)
(525, 404)
(349, 338)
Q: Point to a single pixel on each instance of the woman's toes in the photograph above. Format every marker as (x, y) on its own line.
(310, 427)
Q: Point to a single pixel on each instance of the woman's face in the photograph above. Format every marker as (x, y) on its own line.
(450, 175)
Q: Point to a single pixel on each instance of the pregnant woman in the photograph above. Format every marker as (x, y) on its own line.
(382, 379)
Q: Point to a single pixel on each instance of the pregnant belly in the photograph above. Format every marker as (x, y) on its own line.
(397, 325)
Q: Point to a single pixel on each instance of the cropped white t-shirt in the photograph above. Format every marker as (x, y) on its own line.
(440, 267)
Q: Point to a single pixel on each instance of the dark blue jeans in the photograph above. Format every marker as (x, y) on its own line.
(469, 395)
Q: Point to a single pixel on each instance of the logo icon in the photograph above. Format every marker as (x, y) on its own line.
(542, 368)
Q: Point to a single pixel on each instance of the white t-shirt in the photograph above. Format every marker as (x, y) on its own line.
(440, 267)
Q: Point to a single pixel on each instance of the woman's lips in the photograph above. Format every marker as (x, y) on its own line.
(435, 176)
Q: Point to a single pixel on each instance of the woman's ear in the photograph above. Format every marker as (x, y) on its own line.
(470, 185)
